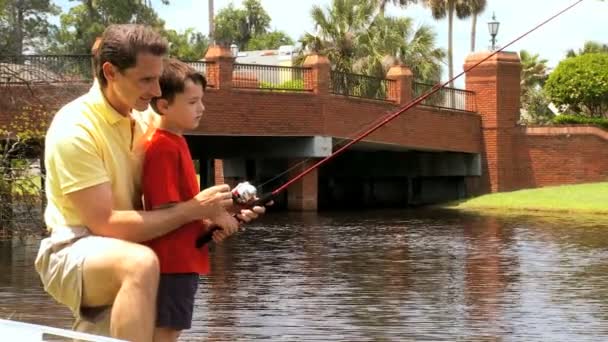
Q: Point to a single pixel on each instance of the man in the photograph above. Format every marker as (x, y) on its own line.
(92, 261)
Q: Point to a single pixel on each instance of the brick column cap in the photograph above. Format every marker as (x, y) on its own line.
(501, 57)
(397, 71)
(316, 60)
(215, 52)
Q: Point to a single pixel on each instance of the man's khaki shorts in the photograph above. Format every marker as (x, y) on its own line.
(60, 265)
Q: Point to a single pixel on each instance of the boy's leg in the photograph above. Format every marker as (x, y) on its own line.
(175, 304)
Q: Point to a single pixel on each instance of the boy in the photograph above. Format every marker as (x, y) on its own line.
(168, 178)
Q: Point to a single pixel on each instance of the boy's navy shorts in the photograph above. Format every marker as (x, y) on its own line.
(175, 300)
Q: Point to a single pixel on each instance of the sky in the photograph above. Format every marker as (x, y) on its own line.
(586, 21)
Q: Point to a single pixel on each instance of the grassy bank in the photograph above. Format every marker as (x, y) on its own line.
(589, 198)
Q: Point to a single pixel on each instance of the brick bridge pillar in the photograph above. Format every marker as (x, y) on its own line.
(219, 72)
(303, 195)
(400, 91)
(496, 85)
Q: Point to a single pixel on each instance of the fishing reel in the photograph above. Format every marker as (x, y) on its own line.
(244, 193)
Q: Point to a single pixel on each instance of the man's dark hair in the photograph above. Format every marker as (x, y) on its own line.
(120, 45)
(173, 80)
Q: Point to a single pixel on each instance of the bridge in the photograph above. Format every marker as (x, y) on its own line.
(261, 121)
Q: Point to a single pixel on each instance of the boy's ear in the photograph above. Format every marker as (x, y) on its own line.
(162, 105)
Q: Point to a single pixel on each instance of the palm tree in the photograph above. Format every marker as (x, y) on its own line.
(357, 37)
(211, 24)
(390, 41)
(339, 31)
(476, 7)
(382, 3)
(533, 72)
(442, 8)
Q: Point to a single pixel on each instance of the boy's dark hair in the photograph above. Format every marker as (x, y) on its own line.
(173, 80)
(120, 45)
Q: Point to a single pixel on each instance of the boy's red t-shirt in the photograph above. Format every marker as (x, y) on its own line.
(169, 177)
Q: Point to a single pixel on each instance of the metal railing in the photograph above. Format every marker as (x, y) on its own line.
(364, 86)
(448, 98)
(202, 67)
(45, 68)
(271, 77)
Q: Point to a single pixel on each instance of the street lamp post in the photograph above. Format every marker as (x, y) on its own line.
(493, 28)
(234, 49)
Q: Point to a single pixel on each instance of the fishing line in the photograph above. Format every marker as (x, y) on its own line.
(265, 198)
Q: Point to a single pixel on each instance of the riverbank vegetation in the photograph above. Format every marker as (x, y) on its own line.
(590, 198)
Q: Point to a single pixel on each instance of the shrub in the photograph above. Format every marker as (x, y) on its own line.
(580, 120)
(581, 83)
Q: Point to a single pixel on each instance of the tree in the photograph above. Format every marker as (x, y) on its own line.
(589, 47)
(581, 84)
(533, 73)
(442, 8)
(536, 108)
(189, 45)
(357, 37)
(87, 20)
(248, 28)
(21, 140)
(476, 7)
(382, 3)
(338, 31)
(391, 40)
(239, 26)
(270, 40)
(533, 100)
(24, 24)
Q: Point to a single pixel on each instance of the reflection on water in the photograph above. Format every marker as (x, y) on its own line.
(383, 275)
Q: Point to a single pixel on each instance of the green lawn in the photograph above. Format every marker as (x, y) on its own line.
(589, 198)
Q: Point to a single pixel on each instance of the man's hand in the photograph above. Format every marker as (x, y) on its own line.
(248, 215)
(244, 216)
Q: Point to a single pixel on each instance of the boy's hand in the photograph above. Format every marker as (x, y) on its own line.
(210, 203)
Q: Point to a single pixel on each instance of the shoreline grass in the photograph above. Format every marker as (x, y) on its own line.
(589, 198)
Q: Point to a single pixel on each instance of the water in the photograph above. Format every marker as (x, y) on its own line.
(381, 276)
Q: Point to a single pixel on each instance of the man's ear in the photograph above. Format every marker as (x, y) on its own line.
(109, 71)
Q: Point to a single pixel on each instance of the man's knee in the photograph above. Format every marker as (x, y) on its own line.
(141, 264)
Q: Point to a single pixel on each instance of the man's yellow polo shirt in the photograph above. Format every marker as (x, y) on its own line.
(89, 143)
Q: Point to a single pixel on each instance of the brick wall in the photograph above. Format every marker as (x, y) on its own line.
(16, 97)
(257, 113)
(560, 155)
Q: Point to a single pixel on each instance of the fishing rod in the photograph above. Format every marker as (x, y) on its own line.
(244, 194)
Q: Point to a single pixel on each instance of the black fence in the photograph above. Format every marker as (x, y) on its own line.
(45, 69)
(356, 85)
(57, 68)
(271, 77)
(448, 98)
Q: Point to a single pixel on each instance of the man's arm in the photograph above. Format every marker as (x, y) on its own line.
(94, 205)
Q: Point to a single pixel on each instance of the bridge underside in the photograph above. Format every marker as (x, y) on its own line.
(368, 174)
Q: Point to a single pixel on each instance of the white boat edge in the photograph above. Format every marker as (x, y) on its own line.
(26, 332)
